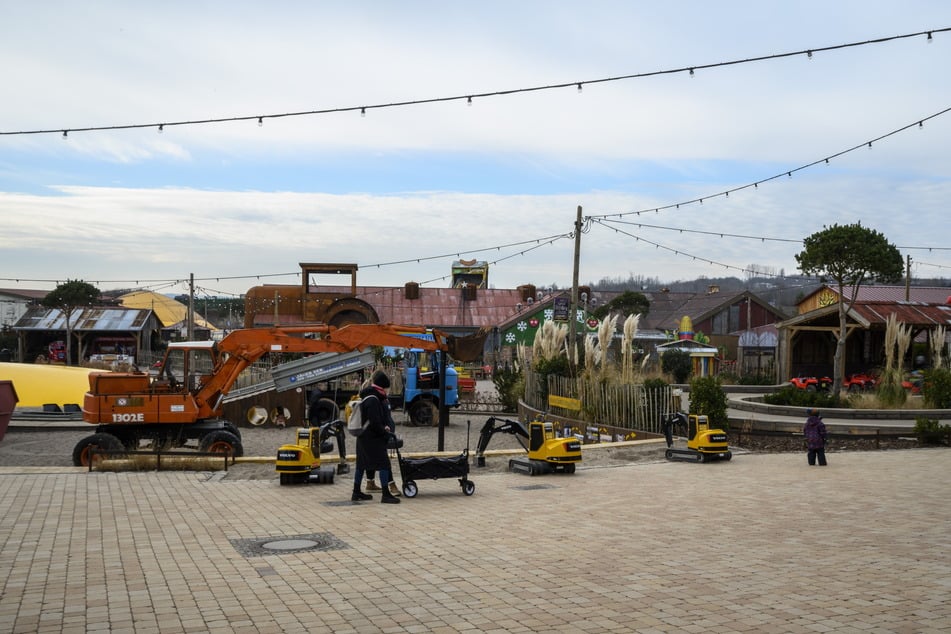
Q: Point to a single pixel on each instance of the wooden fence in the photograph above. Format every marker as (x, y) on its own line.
(625, 406)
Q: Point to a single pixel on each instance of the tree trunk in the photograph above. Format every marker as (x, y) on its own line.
(837, 359)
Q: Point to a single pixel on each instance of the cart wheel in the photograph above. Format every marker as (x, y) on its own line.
(409, 489)
(468, 487)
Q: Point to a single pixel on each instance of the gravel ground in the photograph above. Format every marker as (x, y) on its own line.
(53, 448)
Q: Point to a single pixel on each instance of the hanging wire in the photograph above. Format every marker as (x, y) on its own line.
(469, 96)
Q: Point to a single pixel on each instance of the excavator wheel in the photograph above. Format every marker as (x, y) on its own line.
(221, 442)
(82, 453)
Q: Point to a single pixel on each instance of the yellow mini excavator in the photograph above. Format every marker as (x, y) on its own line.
(547, 452)
(703, 443)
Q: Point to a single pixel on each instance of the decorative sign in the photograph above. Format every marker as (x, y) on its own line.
(562, 307)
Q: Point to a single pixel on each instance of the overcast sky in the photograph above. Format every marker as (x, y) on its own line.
(412, 188)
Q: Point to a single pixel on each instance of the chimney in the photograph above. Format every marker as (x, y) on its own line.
(411, 290)
(526, 290)
(713, 289)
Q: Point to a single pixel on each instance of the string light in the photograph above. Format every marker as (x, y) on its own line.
(161, 128)
(260, 122)
(363, 112)
(789, 173)
(498, 93)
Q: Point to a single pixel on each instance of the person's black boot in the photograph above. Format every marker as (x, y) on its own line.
(360, 497)
(389, 498)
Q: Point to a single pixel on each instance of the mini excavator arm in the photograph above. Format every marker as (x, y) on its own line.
(494, 426)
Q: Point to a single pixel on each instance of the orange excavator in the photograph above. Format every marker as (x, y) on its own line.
(184, 401)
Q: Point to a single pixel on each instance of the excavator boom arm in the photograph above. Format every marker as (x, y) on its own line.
(241, 348)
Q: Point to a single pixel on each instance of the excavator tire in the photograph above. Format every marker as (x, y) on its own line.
(221, 442)
(83, 449)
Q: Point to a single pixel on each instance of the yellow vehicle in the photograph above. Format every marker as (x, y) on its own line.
(547, 452)
(300, 463)
(704, 443)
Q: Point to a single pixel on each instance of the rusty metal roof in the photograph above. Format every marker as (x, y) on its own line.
(86, 319)
(875, 315)
(881, 293)
(444, 308)
(911, 313)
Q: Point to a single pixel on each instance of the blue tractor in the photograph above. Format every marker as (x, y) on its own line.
(421, 390)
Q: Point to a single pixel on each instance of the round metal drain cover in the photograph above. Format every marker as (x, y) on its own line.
(290, 544)
(308, 542)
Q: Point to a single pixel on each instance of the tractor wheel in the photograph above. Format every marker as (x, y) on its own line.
(810, 388)
(424, 414)
(83, 450)
(221, 442)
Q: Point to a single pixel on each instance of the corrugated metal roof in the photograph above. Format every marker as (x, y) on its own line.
(88, 319)
(910, 313)
(445, 308)
(882, 293)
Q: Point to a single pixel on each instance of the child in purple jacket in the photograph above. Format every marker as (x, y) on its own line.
(815, 432)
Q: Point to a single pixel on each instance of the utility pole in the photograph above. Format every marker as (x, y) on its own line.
(190, 326)
(907, 278)
(573, 314)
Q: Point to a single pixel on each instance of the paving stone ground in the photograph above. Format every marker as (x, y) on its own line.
(763, 543)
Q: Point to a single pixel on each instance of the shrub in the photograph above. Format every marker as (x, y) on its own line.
(677, 363)
(931, 432)
(890, 390)
(707, 397)
(790, 395)
(510, 384)
(936, 389)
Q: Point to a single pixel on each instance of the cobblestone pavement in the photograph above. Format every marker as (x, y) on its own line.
(763, 543)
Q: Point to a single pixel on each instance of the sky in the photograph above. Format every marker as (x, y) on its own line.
(424, 178)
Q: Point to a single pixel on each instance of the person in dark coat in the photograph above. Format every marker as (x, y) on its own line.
(372, 454)
(815, 432)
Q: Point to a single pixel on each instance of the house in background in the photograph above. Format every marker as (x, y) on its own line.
(97, 331)
(807, 341)
(15, 302)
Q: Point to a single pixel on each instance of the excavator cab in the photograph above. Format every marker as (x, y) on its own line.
(546, 451)
(300, 463)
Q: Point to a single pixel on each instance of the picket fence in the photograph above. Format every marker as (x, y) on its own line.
(625, 406)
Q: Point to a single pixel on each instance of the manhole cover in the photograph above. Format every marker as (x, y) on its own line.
(290, 544)
(256, 547)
